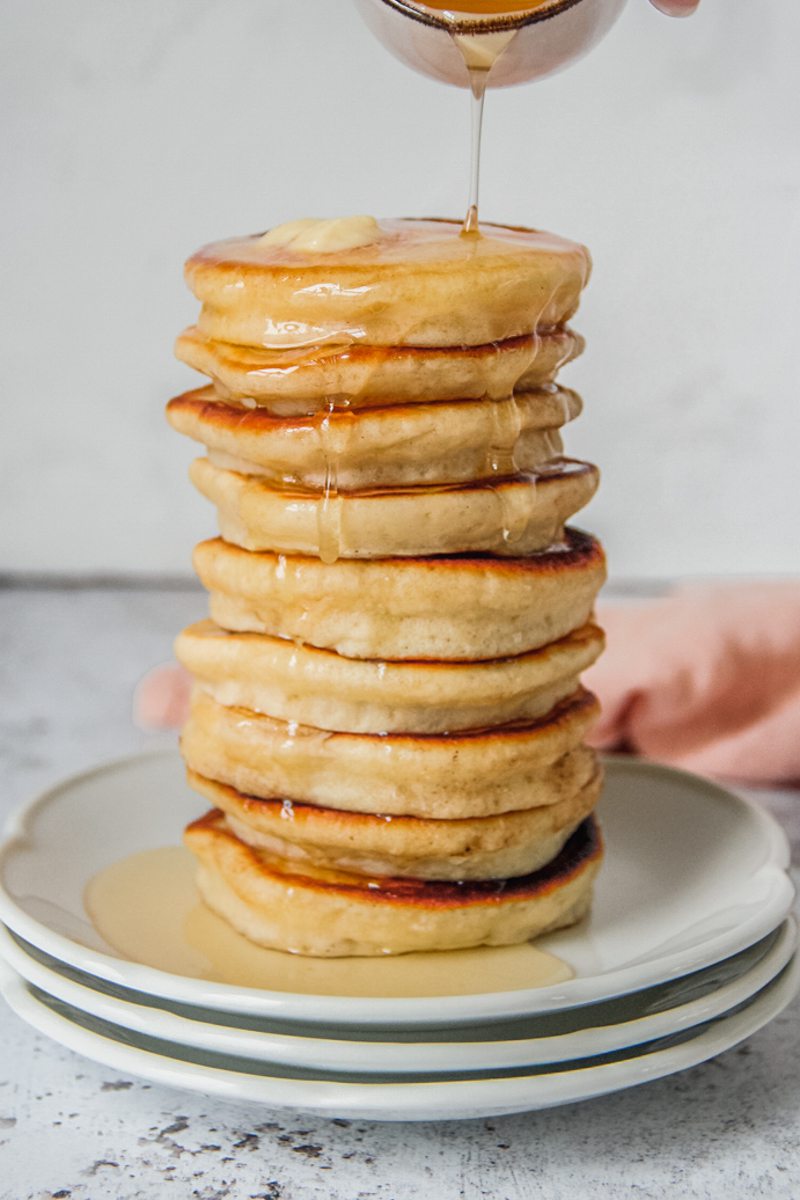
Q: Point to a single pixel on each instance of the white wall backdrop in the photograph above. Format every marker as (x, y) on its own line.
(135, 130)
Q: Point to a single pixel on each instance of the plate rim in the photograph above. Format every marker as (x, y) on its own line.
(348, 1010)
(442, 1100)
(287, 1048)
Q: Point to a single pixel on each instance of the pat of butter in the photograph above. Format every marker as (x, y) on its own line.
(324, 235)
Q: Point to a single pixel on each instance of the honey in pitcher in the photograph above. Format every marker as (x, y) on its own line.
(485, 8)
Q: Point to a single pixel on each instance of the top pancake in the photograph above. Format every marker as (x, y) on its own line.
(421, 283)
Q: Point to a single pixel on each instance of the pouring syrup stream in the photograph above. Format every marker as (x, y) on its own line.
(480, 51)
(478, 77)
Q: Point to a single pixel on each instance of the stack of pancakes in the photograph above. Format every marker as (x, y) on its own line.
(388, 718)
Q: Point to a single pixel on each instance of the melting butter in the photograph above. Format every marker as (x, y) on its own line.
(148, 909)
(324, 235)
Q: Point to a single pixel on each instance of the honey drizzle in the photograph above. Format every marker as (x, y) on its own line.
(478, 78)
(514, 508)
(329, 507)
(487, 48)
(506, 428)
(513, 505)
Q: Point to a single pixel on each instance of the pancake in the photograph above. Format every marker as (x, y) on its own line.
(448, 777)
(297, 382)
(418, 608)
(330, 914)
(514, 516)
(497, 847)
(419, 283)
(405, 445)
(300, 683)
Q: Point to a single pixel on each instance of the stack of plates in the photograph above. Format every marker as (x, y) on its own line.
(690, 948)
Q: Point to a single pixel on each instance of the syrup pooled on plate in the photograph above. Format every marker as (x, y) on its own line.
(148, 909)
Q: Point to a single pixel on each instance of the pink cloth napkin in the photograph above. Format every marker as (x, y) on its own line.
(161, 698)
(707, 678)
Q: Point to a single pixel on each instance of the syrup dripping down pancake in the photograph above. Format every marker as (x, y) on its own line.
(399, 446)
(511, 516)
(297, 382)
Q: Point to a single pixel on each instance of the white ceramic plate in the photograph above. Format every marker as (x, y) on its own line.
(693, 874)
(615, 1025)
(396, 1100)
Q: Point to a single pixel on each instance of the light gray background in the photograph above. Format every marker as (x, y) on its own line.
(133, 132)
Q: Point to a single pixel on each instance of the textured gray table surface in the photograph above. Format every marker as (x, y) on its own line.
(68, 1128)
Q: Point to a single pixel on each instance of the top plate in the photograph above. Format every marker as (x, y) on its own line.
(693, 874)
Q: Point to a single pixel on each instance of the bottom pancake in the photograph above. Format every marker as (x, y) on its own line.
(333, 914)
(493, 847)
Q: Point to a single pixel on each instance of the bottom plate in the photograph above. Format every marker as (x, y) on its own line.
(356, 1097)
(585, 1032)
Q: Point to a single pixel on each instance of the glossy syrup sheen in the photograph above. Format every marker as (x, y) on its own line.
(407, 246)
(485, 8)
(409, 243)
(148, 909)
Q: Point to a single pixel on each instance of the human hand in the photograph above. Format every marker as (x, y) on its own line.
(706, 678)
(676, 8)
